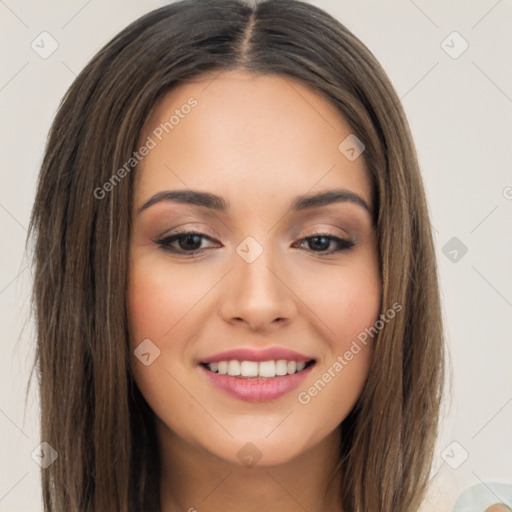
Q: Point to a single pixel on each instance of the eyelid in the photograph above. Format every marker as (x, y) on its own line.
(184, 232)
(188, 229)
(330, 231)
(326, 232)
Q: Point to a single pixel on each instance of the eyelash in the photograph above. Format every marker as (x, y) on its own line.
(165, 242)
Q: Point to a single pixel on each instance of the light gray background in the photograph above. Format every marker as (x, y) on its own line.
(460, 114)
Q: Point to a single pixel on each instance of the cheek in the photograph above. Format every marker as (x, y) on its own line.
(147, 303)
(357, 308)
(347, 304)
(346, 301)
(351, 317)
(348, 307)
(158, 299)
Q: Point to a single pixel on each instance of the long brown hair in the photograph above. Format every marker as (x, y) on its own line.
(91, 410)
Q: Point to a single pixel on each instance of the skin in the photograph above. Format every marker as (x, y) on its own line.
(259, 142)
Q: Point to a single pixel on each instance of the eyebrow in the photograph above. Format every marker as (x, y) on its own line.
(217, 203)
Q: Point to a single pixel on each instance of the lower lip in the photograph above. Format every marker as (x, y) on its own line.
(257, 390)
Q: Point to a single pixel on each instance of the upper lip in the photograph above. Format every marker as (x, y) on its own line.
(249, 354)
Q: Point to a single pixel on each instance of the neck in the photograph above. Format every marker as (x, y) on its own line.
(193, 480)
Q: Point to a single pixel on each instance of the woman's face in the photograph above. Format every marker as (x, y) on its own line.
(285, 284)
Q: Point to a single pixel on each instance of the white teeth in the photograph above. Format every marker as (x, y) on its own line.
(234, 368)
(291, 367)
(281, 367)
(249, 369)
(267, 369)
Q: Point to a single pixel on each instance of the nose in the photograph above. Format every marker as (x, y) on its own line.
(258, 296)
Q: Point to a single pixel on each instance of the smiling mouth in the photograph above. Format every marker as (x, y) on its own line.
(258, 369)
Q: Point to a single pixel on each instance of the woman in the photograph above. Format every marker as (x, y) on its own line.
(235, 281)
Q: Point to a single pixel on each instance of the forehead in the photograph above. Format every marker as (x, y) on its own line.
(263, 134)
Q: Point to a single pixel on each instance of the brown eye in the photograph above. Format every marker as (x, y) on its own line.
(321, 243)
(183, 242)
